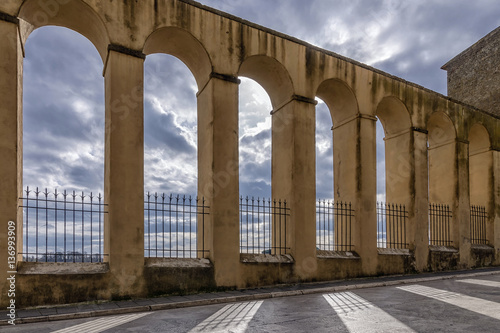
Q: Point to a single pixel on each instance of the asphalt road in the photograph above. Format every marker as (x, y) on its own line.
(457, 305)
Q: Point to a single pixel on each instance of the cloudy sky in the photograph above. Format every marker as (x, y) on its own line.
(64, 88)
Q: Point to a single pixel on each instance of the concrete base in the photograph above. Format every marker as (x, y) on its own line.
(482, 256)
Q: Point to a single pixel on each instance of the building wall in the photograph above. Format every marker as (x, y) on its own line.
(474, 75)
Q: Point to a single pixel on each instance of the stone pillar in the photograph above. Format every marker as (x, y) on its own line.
(124, 170)
(418, 231)
(11, 178)
(356, 182)
(461, 210)
(218, 174)
(294, 179)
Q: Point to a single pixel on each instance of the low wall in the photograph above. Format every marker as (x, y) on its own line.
(64, 283)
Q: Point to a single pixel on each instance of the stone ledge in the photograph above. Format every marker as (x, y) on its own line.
(266, 258)
(61, 268)
(178, 262)
(438, 248)
(482, 247)
(322, 254)
(394, 252)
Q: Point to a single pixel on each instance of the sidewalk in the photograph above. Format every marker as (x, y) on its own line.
(95, 309)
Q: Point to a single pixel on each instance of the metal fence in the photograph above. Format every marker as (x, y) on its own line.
(478, 218)
(333, 225)
(174, 226)
(439, 225)
(62, 226)
(391, 226)
(263, 226)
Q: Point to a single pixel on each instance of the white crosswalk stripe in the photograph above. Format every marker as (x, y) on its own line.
(102, 324)
(474, 304)
(487, 283)
(231, 318)
(359, 315)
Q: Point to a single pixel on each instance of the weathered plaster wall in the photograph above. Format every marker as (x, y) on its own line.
(474, 75)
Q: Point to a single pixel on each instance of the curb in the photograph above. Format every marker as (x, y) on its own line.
(242, 298)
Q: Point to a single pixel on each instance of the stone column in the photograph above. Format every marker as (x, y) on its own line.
(218, 179)
(11, 178)
(356, 182)
(461, 210)
(419, 209)
(294, 179)
(124, 170)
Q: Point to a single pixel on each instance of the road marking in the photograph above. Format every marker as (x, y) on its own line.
(474, 304)
(102, 324)
(486, 283)
(359, 315)
(231, 318)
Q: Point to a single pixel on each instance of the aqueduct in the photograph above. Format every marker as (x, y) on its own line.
(438, 151)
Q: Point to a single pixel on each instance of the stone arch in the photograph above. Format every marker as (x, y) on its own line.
(479, 139)
(393, 115)
(396, 122)
(343, 106)
(184, 46)
(340, 99)
(73, 14)
(440, 129)
(271, 75)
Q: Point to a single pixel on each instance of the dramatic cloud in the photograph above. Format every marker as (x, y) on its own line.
(64, 89)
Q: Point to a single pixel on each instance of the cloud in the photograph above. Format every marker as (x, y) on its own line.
(63, 112)
(64, 89)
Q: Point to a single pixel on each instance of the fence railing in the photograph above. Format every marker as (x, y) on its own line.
(333, 225)
(263, 226)
(391, 226)
(174, 226)
(440, 225)
(478, 219)
(62, 226)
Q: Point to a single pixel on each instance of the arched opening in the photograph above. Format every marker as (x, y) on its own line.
(254, 140)
(324, 152)
(176, 67)
(393, 151)
(259, 231)
(394, 172)
(343, 108)
(170, 126)
(480, 185)
(442, 157)
(63, 147)
(334, 231)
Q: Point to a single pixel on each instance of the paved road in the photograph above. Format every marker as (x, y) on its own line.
(457, 305)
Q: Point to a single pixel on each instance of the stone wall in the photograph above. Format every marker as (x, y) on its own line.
(474, 75)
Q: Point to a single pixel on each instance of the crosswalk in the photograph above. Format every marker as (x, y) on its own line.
(352, 311)
(356, 312)
(102, 324)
